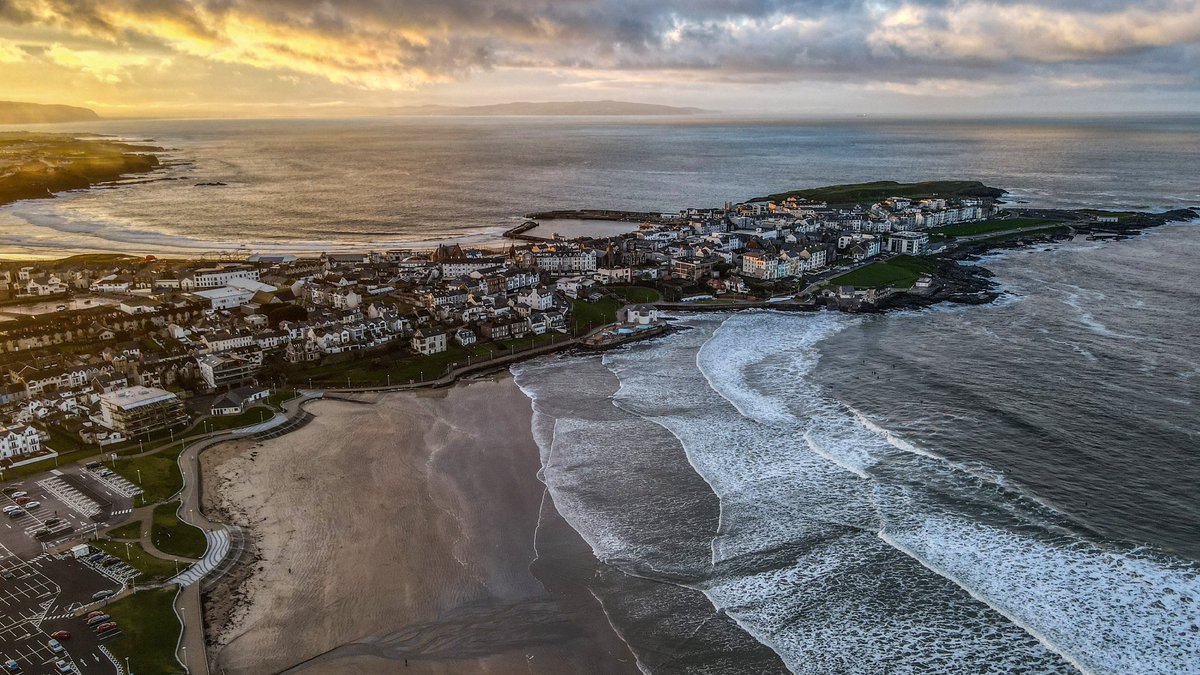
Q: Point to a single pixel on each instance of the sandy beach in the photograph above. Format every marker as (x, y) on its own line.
(399, 530)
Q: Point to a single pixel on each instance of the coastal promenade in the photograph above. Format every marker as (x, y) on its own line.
(191, 650)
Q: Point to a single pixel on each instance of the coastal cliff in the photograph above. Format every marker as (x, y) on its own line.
(18, 112)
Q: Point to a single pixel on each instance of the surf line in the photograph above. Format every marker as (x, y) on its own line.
(1045, 641)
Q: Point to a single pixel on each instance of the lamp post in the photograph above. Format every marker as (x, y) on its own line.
(127, 550)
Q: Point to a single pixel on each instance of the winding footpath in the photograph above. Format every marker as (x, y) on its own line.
(220, 537)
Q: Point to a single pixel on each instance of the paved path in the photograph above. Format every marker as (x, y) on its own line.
(191, 652)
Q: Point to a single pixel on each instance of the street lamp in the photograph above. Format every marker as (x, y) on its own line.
(139, 472)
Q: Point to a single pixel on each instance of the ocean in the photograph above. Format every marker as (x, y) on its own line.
(984, 489)
(321, 185)
(966, 489)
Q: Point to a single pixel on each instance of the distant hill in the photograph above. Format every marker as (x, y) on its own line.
(549, 108)
(14, 112)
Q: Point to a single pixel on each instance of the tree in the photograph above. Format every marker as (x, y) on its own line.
(283, 313)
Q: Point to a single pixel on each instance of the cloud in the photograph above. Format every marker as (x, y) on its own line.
(912, 46)
(10, 52)
(105, 66)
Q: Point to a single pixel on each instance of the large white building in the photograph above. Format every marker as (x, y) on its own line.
(215, 277)
(136, 410)
(908, 243)
(18, 440)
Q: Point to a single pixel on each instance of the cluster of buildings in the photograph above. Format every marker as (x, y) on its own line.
(138, 336)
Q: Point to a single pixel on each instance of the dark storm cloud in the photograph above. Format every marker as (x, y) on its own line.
(397, 44)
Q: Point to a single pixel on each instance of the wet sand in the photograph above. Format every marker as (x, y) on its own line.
(403, 533)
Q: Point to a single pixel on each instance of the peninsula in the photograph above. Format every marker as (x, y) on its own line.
(38, 165)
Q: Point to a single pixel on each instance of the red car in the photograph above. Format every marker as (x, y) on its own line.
(105, 627)
(93, 614)
(61, 635)
(23, 500)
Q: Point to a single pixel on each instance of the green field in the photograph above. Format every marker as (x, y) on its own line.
(172, 535)
(636, 294)
(127, 531)
(153, 569)
(150, 630)
(901, 272)
(869, 193)
(252, 415)
(986, 226)
(588, 315)
(376, 370)
(160, 477)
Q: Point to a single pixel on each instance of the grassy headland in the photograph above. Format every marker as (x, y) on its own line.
(867, 193)
(37, 165)
(901, 272)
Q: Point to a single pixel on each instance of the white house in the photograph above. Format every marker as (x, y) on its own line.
(19, 439)
(428, 342)
(642, 315)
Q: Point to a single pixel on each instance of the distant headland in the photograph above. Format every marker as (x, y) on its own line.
(17, 112)
(548, 109)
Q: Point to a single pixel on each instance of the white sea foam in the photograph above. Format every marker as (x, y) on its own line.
(848, 519)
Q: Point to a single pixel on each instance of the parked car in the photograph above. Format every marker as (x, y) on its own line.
(64, 666)
(97, 620)
(105, 473)
(105, 627)
(33, 505)
(100, 595)
(61, 635)
(23, 500)
(55, 646)
(19, 493)
(12, 666)
(53, 521)
(93, 465)
(110, 561)
(97, 557)
(10, 508)
(93, 614)
(16, 514)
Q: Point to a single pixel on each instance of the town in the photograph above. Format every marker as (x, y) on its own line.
(116, 367)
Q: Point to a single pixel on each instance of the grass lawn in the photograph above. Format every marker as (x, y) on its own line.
(277, 399)
(1063, 229)
(636, 294)
(253, 415)
(150, 629)
(587, 315)
(986, 226)
(901, 272)
(160, 477)
(152, 569)
(376, 370)
(530, 342)
(865, 193)
(127, 531)
(172, 535)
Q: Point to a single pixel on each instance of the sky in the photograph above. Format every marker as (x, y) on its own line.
(242, 58)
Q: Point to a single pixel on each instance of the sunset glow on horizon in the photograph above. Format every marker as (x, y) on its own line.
(308, 57)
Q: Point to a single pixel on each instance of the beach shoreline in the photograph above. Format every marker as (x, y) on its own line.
(417, 544)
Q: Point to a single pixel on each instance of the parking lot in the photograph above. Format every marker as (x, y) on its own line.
(40, 592)
(72, 503)
(38, 596)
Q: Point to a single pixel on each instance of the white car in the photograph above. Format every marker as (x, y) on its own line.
(21, 493)
(33, 505)
(10, 508)
(55, 646)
